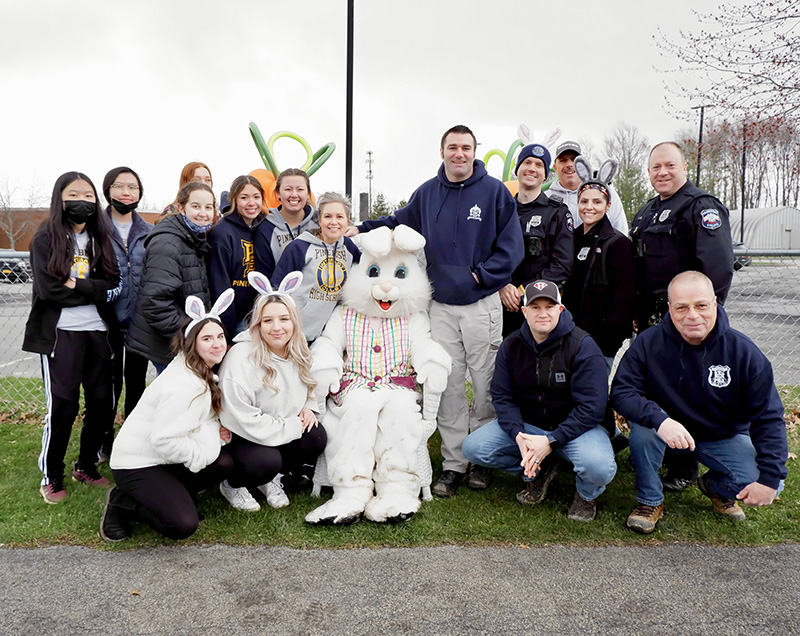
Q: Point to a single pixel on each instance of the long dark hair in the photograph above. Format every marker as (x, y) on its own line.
(62, 243)
(186, 346)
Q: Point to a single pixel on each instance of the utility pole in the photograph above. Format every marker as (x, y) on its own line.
(369, 177)
(744, 166)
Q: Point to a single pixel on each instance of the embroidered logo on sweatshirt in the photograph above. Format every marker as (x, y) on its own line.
(719, 375)
(474, 213)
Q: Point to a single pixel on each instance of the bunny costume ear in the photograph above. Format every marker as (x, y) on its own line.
(290, 283)
(408, 239)
(197, 312)
(524, 134)
(377, 242)
(608, 170)
(583, 169)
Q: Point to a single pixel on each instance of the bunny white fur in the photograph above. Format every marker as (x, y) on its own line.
(377, 433)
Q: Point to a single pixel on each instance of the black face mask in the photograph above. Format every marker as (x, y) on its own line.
(123, 208)
(79, 212)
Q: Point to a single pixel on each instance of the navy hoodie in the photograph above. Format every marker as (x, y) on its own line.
(232, 258)
(588, 383)
(717, 389)
(469, 227)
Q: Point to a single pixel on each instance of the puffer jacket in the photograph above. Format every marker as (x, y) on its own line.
(131, 262)
(174, 268)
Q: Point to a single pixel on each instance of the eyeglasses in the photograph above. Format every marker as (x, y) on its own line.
(124, 186)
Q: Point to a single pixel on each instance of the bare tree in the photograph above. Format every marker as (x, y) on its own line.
(14, 222)
(627, 145)
(748, 56)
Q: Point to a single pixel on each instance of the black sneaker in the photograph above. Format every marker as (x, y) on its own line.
(115, 525)
(675, 483)
(479, 477)
(448, 483)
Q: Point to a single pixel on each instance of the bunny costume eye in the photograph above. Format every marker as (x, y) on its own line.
(373, 271)
(401, 272)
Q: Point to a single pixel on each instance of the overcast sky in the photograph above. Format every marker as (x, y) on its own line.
(93, 84)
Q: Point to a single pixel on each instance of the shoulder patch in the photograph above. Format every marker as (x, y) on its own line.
(570, 223)
(710, 219)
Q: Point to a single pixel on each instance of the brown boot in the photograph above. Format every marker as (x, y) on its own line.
(536, 490)
(644, 518)
(722, 505)
(582, 510)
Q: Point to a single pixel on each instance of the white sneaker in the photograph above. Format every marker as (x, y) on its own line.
(273, 491)
(239, 498)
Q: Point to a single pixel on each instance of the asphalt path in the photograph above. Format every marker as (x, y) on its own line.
(209, 590)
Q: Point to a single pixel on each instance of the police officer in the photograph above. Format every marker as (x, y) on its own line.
(682, 228)
(547, 226)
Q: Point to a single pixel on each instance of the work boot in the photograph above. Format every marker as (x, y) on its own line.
(448, 483)
(644, 518)
(115, 525)
(536, 489)
(722, 505)
(479, 477)
(581, 509)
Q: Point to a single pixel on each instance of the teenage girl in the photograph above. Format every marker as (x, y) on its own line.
(268, 404)
(174, 269)
(323, 256)
(232, 252)
(123, 190)
(286, 222)
(75, 282)
(168, 450)
(192, 171)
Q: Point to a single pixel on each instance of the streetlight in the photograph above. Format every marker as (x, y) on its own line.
(700, 140)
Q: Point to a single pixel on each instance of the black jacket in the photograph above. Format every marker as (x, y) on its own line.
(600, 293)
(50, 295)
(174, 268)
(688, 231)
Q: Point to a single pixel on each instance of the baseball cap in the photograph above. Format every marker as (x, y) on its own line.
(568, 146)
(541, 289)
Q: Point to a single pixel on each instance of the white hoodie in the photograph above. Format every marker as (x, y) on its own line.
(254, 411)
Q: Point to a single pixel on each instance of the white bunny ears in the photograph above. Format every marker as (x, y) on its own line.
(261, 284)
(379, 242)
(197, 311)
(524, 134)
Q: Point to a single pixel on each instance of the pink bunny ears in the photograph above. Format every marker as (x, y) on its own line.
(197, 311)
(261, 284)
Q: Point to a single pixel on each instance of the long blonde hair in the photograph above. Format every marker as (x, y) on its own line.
(297, 348)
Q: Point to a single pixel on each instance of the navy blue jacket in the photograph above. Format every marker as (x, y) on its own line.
(131, 263)
(232, 257)
(587, 395)
(469, 227)
(717, 389)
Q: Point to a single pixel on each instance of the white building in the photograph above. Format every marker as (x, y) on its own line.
(768, 228)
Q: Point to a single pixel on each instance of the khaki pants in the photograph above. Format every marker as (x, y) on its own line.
(471, 334)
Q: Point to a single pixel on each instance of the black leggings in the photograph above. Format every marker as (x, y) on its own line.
(254, 464)
(165, 495)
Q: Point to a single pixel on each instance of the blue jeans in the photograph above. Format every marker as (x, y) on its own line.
(590, 454)
(731, 464)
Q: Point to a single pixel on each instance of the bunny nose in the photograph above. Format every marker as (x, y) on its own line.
(386, 287)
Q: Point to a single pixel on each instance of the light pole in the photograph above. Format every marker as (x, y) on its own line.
(348, 147)
(744, 166)
(700, 141)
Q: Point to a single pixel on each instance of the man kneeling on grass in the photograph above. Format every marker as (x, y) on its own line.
(550, 392)
(694, 384)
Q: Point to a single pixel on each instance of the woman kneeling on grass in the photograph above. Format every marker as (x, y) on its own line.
(169, 448)
(267, 393)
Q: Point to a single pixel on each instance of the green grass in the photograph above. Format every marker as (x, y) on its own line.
(491, 517)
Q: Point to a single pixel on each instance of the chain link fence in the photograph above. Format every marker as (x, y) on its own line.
(764, 303)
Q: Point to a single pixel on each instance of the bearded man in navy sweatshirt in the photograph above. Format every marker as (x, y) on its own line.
(473, 244)
(696, 385)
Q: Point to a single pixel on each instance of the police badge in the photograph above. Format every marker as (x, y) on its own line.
(710, 219)
(719, 375)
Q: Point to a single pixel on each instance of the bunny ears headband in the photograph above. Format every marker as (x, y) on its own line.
(261, 284)
(197, 311)
(604, 175)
